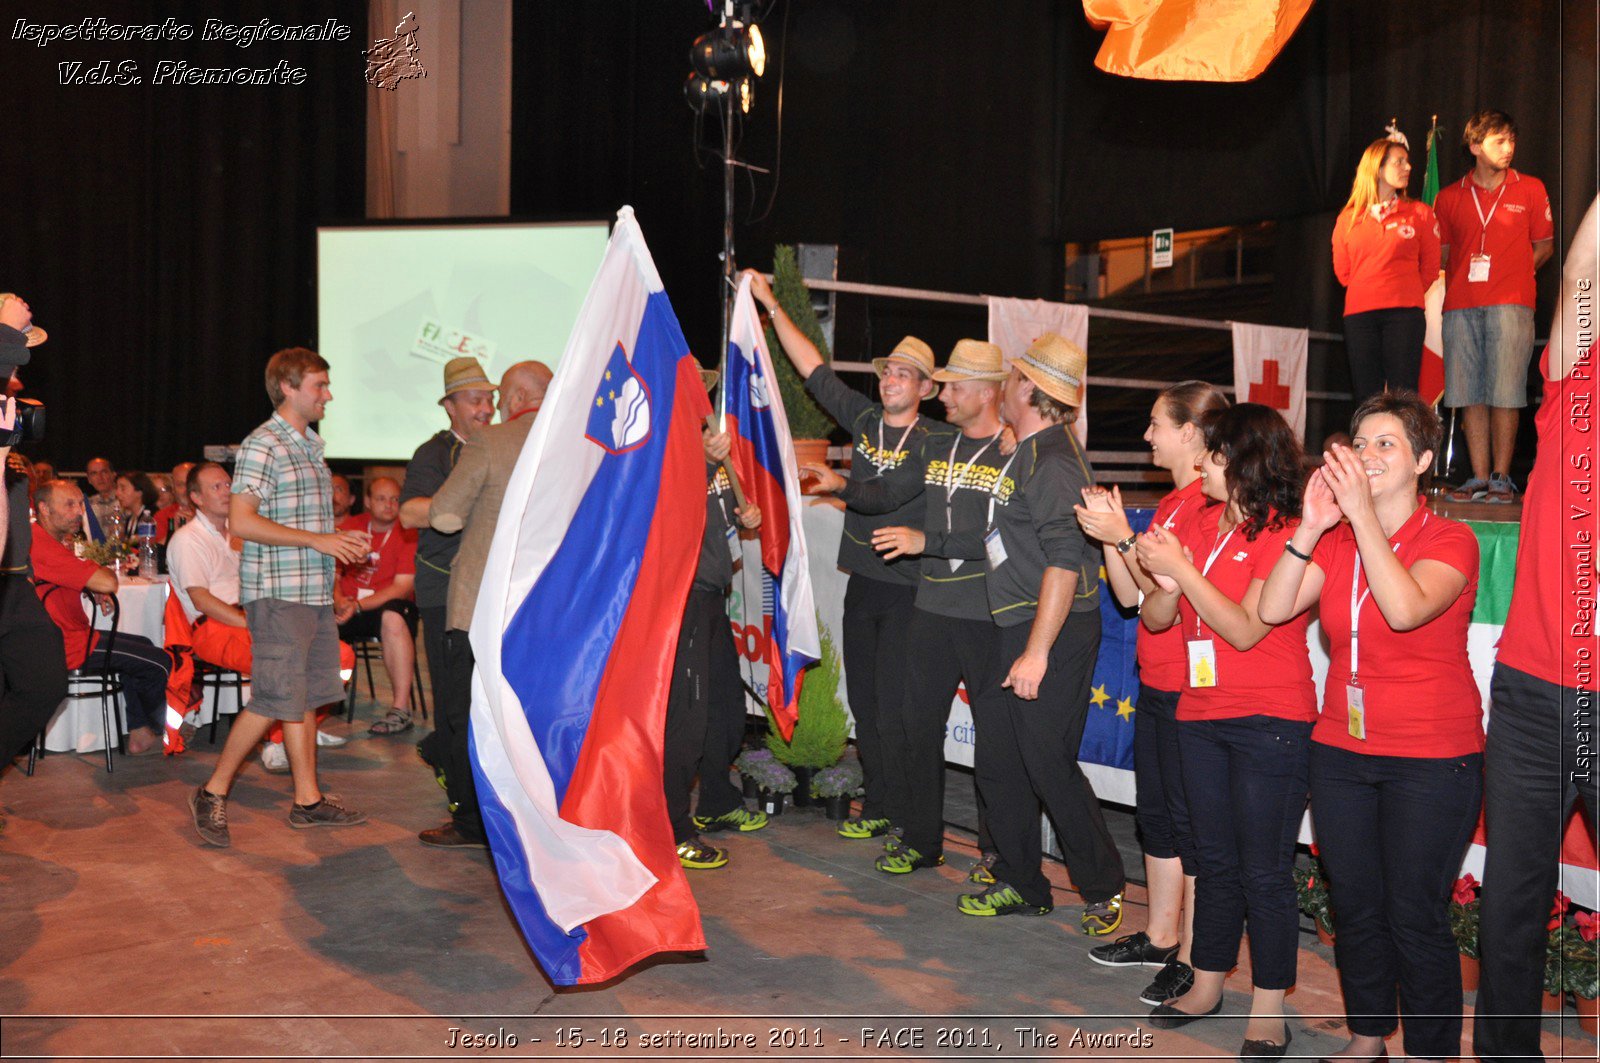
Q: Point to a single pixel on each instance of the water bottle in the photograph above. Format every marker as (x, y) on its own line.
(145, 533)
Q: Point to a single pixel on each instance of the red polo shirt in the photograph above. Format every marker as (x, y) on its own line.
(394, 553)
(1273, 677)
(1418, 694)
(59, 578)
(1163, 661)
(1550, 626)
(1520, 218)
(1388, 258)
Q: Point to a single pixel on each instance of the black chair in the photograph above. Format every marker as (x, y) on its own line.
(103, 682)
(215, 678)
(369, 649)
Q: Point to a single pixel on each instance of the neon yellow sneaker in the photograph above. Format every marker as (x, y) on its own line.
(697, 855)
(1102, 917)
(1000, 899)
(740, 819)
(903, 861)
(859, 829)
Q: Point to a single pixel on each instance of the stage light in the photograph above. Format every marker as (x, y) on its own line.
(704, 94)
(747, 95)
(729, 52)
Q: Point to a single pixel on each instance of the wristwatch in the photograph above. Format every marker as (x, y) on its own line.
(1126, 544)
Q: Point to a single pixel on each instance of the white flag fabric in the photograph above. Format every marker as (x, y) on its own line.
(1015, 323)
(1269, 367)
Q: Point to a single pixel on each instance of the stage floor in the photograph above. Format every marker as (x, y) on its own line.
(124, 937)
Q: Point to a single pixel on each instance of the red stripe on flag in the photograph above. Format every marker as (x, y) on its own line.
(765, 489)
(617, 783)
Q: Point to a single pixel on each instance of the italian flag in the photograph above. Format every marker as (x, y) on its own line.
(1430, 383)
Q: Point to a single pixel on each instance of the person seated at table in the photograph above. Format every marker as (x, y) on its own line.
(344, 500)
(60, 577)
(376, 598)
(44, 470)
(203, 560)
(101, 475)
(138, 499)
(177, 511)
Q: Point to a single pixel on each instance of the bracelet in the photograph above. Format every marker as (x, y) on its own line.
(1289, 546)
(1124, 545)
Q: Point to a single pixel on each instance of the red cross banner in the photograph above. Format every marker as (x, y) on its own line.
(1269, 367)
(1015, 323)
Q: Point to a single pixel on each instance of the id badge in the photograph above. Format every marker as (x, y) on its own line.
(1478, 269)
(1356, 711)
(994, 548)
(1202, 663)
(735, 551)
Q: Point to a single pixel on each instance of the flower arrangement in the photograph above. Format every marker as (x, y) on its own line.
(108, 553)
(1572, 953)
(1557, 942)
(1464, 915)
(765, 771)
(841, 780)
(1311, 891)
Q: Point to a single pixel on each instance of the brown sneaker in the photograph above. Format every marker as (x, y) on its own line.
(210, 817)
(325, 813)
(448, 837)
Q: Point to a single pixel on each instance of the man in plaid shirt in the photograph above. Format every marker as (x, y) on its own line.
(283, 510)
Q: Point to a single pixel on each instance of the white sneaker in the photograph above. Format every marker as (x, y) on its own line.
(325, 738)
(274, 759)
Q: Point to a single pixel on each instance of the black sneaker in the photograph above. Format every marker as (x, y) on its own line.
(210, 817)
(1133, 950)
(1172, 981)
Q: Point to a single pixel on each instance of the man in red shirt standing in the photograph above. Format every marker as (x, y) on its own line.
(60, 578)
(375, 597)
(1495, 231)
(1540, 753)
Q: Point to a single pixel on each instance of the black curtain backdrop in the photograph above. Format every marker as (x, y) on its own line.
(164, 234)
(953, 148)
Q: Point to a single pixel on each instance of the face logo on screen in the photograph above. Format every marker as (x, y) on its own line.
(619, 416)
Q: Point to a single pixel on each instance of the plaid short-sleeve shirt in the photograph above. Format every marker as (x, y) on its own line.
(286, 471)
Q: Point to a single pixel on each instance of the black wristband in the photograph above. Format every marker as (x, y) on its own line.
(1289, 546)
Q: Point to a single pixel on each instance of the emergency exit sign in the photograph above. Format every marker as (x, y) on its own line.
(1161, 249)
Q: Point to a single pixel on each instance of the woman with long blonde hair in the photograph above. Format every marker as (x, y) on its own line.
(1386, 254)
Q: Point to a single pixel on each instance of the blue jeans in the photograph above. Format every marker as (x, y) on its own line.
(1486, 354)
(1392, 831)
(1246, 783)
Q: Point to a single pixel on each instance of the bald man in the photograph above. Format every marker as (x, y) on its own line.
(375, 597)
(469, 502)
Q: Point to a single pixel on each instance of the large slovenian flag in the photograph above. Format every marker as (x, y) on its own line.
(575, 631)
(763, 459)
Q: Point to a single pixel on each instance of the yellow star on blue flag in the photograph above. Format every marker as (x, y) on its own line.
(1099, 697)
(1124, 708)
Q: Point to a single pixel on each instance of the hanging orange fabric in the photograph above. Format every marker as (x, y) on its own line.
(1192, 40)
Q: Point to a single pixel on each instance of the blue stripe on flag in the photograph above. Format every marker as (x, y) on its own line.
(1108, 735)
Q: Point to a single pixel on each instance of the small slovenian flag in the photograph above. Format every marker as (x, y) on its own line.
(575, 631)
(763, 458)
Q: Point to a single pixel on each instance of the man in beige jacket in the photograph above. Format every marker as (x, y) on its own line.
(469, 502)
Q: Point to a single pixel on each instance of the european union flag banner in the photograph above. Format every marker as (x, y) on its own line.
(1114, 691)
(763, 458)
(575, 631)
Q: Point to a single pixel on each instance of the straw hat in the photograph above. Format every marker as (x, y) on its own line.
(465, 374)
(912, 352)
(1056, 366)
(34, 334)
(973, 360)
(709, 377)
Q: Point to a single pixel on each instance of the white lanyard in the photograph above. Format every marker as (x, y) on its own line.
(716, 487)
(374, 554)
(898, 446)
(1483, 219)
(950, 482)
(994, 492)
(1167, 524)
(1357, 603)
(1216, 552)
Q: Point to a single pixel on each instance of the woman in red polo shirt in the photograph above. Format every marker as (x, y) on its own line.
(1397, 756)
(1177, 444)
(1386, 254)
(1244, 716)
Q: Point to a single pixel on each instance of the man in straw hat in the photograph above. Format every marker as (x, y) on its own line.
(705, 707)
(1044, 594)
(469, 502)
(468, 402)
(950, 637)
(878, 597)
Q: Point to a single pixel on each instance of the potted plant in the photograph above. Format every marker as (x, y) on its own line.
(773, 780)
(823, 726)
(808, 424)
(1555, 955)
(1311, 891)
(1464, 920)
(836, 786)
(1583, 970)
